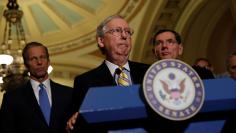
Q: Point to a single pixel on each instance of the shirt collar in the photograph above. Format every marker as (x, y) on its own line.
(112, 67)
(35, 83)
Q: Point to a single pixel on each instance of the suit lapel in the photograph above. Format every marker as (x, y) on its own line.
(135, 73)
(54, 101)
(106, 78)
(32, 101)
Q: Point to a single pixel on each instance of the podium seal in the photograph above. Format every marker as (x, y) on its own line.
(173, 89)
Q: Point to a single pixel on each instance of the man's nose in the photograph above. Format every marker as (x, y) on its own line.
(39, 61)
(124, 35)
(164, 44)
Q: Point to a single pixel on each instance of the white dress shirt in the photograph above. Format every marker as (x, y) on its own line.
(35, 86)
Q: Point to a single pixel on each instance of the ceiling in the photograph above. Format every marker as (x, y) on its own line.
(67, 28)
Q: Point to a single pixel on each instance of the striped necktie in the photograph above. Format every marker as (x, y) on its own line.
(123, 79)
(44, 103)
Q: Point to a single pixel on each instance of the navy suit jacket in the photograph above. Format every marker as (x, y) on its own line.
(101, 76)
(98, 77)
(20, 112)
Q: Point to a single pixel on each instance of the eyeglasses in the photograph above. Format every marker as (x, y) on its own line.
(167, 42)
(118, 31)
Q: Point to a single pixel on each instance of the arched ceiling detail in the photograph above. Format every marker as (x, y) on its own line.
(75, 21)
(200, 23)
(199, 27)
(233, 9)
(67, 28)
(164, 14)
(207, 32)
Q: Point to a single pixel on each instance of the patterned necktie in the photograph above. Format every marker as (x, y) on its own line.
(123, 79)
(44, 103)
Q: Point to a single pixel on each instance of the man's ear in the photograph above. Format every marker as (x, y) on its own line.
(26, 66)
(49, 62)
(154, 51)
(181, 49)
(100, 41)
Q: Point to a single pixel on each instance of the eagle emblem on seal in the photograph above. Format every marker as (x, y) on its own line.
(173, 89)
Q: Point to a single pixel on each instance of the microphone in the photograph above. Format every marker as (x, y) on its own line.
(118, 71)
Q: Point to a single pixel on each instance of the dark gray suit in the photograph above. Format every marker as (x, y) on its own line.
(20, 111)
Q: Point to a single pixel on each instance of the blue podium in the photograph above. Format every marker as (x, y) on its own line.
(110, 104)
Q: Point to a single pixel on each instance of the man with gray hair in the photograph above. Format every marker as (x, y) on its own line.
(114, 40)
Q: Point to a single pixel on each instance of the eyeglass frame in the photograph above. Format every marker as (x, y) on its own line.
(119, 31)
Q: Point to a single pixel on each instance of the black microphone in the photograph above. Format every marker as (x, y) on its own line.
(118, 71)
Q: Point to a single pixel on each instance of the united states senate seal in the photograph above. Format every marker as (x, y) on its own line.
(173, 89)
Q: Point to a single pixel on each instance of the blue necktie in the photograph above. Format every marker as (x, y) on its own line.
(44, 103)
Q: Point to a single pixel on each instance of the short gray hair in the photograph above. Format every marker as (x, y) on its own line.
(100, 28)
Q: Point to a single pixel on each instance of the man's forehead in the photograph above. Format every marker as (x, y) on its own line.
(118, 22)
(165, 35)
(33, 50)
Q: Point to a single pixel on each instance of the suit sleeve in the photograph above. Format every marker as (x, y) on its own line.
(80, 90)
(7, 116)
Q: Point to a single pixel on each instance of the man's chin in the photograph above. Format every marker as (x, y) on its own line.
(40, 76)
(166, 57)
(123, 52)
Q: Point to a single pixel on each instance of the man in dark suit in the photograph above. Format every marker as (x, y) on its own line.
(22, 109)
(114, 41)
(167, 44)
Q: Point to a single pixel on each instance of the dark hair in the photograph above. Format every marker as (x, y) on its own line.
(177, 35)
(202, 59)
(203, 72)
(30, 45)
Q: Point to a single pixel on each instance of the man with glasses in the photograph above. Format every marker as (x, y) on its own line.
(167, 44)
(114, 41)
